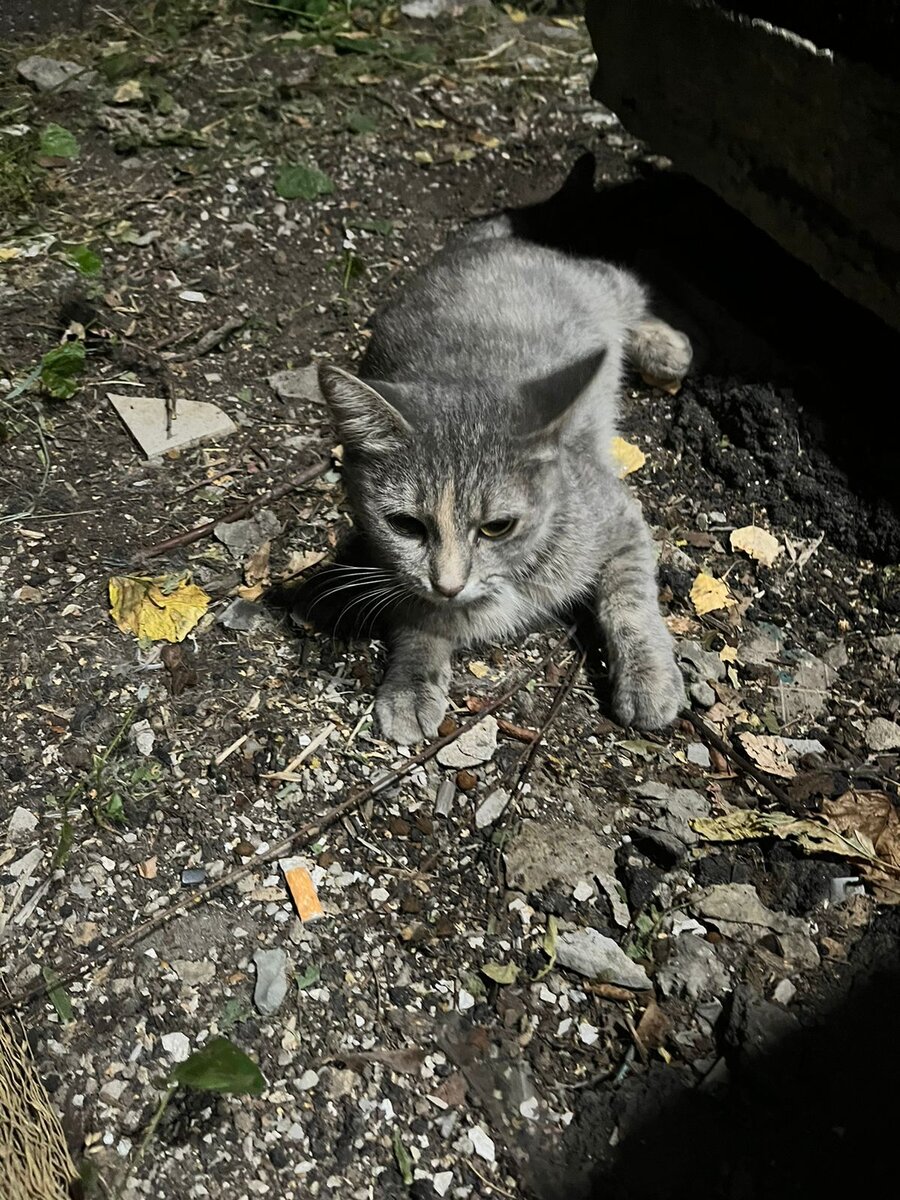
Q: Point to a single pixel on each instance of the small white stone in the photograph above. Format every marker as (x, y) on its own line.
(441, 1182)
(529, 1108)
(308, 1080)
(192, 297)
(588, 1033)
(564, 1026)
(583, 891)
(465, 1000)
(379, 895)
(482, 1144)
(176, 1045)
(784, 992)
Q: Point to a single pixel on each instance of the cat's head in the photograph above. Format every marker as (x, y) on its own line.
(457, 499)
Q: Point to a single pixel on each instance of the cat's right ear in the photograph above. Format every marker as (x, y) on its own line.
(365, 420)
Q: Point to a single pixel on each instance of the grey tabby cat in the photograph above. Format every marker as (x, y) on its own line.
(478, 464)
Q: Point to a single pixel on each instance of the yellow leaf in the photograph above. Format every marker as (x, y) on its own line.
(564, 22)
(9, 252)
(251, 592)
(480, 138)
(129, 90)
(150, 608)
(728, 654)
(629, 457)
(516, 15)
(422, 156)
(430, 123)
(756, 542)
(501, 972)
(709, 594)
(479, 669)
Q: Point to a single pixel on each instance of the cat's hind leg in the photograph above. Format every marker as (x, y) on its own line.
(659, 353)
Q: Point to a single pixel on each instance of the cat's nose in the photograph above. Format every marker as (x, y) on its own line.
(449, 586)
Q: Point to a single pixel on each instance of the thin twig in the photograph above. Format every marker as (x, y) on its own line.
(201, 531)
(209, 341)
(712, 738)
(562, 691)
(304, 834)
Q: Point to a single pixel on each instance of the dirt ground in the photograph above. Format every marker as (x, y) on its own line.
(437, 1036)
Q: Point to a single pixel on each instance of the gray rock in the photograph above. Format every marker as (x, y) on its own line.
(693, 971)
(271, 980)
(540, 855)
(302, 384)
(176, 1045)
(702, 694)
(193, 973)
(889, 645)
(882, 734)
(243, 616)
(756, 1026)
(698, 664)
(664, 848)
(244, 537)
(22, 825)
(764, 645)
(597, 957)
(836, 656)
(446, 794)
(491, 808)
(784, 992)
(424, 10)
(141, 733)
(797, 747)
(477, 745)
(736, 910)
(675, 809)
(802, 687)
(698, 754)
(55, 75)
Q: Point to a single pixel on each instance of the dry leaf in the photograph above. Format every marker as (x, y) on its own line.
(728, 654)
(300, 561)
(767, 752)
(404, 1061)
(746, 825)
(503, 973)
(480, 138)
(250, 593)
(871, 816)
(155, 608)
(147, 868)
(629, 458)
(256, 568)
(431, 123)
(129, 90)
(758, 543)
(479, 669)
(709, 594)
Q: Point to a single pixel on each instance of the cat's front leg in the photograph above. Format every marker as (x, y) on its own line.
(660, 353)
(648, 690)
(412, 699)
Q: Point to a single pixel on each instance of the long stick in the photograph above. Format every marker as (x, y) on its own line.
(304, 834)
(740, 760)
(201, 531)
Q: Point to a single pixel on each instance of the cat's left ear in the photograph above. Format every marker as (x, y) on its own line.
(366, 420)
(553, 398)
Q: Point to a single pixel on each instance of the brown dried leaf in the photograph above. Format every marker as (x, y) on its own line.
(406, 1061)
(757, 543)
(767, 752)
(256, 567)
(871, 817)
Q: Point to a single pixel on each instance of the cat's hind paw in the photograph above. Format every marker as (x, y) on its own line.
(660, 353)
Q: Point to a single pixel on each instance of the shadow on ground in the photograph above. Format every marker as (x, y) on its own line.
(791, 1110)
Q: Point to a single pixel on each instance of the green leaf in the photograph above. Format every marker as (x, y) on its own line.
(57, 142)
(308, 978)
(374, 225)
(63, 845)
(404, 1162)
(58, 997)
(84, 260)
(501, 972)
(220, 1067)
(60, 368)
(297, 181)
(361, 123)
(549, 947)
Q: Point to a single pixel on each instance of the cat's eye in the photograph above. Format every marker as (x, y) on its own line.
(498, 529)
(407, 526)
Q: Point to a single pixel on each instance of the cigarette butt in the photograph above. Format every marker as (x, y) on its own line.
(303, 892)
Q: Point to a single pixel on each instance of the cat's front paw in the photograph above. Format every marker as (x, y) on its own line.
(408, 715)
(648, 693)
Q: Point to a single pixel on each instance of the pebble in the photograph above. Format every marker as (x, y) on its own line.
(21, 824)
(477, 745)
(308, 1080)
(446, 793)
(191, 876)
(246, 536)
(141, 733)
(882, 734)
(588, 1033)
(491, 808)
(271, 980)
(698, 754)
(442, 1181)
(242, 616)
(784, 992)
(192, 973)
(464, 1000)
(302, 384)
(583, 891)
(703, 695)
(693, 970)
(466, 780)
(592, 954)
(482, 1144)
(176, 1045)
(55, 75)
